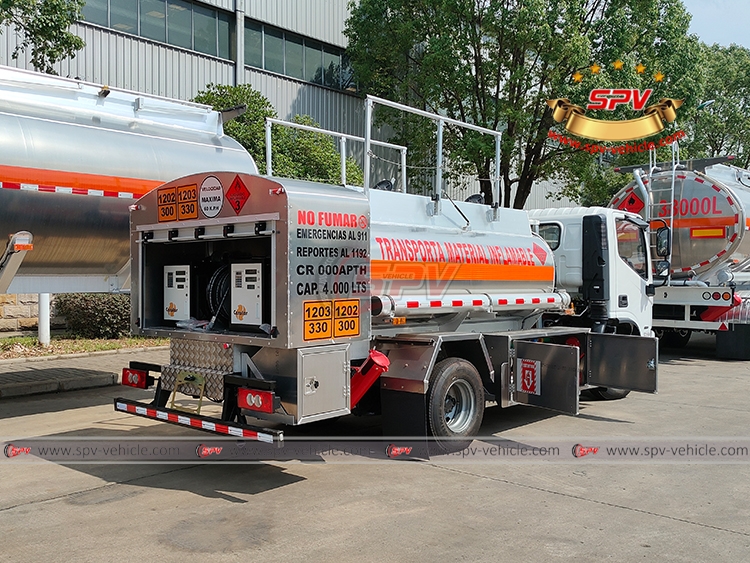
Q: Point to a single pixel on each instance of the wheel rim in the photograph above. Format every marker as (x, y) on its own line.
(459, 406)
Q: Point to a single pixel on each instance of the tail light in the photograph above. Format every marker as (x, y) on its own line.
(256, 400)
(135, 378)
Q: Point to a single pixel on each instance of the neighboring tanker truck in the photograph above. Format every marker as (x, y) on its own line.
(73, 157)
(698, 213)
(293, 302)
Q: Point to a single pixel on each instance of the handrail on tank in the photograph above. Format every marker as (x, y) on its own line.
(441, 122)
(343, 137)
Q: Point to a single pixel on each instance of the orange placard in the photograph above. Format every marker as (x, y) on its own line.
(346, 318)
(166, 201)
(187, 202)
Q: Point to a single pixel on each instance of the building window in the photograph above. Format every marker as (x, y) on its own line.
(177, 22)
(286, 53)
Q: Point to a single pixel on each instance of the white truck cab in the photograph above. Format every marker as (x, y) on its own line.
(613, 292)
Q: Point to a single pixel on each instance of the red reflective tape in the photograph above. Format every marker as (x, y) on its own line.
(715, 187)
(729, 199)
(477, 302)
(222, 428)
(502, 301)
(536, 300)
(699, 180)
(550, 299)
(722, 253)
(412, 304)
(80, 191)
(12, 185)
(519, 301)
(685, 269)
(195, 423)
(736, 217)
(46, 188)
(436, 303)
(151, 413)
(130, 408)
(457, 303)
(645, 181)
(110, 194)
(734, 236)
(249, 434)
(171, 417)
(681, 177)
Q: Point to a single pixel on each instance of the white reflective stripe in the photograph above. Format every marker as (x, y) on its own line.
(140, 410)
(96, 192)
(126, 195)
(64, 190)
(121, 407)
(183, 420)
(162, 415)
(33, 187)
(208, 425)
(234, 431)
(265, 438)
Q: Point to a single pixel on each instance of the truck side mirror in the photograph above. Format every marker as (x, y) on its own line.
(663, 242)
(662, 268)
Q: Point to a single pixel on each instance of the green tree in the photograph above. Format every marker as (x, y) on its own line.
(496, 62)
(44, 28)
(723, 126)
(304, 155)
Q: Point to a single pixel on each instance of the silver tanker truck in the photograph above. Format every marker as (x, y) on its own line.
(291, 302)
(73, 157)
(698, 214)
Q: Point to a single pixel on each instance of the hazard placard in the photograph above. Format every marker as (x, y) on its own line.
(631, 203)
(237, 195)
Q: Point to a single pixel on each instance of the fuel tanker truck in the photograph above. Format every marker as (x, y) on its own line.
(73, 157)
(698, 213)
(291, 302)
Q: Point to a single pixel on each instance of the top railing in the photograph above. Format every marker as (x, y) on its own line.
(441, 121)
(343, 138)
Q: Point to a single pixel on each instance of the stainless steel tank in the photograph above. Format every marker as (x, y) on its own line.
(74, 156)
(709, 213)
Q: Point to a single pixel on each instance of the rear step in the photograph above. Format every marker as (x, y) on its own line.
(205, 423)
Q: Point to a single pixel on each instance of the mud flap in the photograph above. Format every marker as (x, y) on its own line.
(624, 362)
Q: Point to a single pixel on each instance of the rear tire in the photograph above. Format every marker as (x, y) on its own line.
(677, 338)
(455, 404)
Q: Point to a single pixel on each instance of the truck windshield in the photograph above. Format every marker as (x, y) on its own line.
(631, 246)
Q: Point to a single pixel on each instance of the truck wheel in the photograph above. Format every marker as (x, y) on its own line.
(456, 402)
(609, 393)
(677, 338)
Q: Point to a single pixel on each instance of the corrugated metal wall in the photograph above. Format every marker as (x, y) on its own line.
(319, 19)
(133, 63)
(331, 109)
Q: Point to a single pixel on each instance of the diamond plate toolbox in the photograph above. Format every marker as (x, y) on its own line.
(213, 360)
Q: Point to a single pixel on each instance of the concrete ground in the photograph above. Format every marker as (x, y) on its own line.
(579, 510)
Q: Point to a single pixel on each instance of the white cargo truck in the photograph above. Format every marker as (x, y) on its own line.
(299, 302)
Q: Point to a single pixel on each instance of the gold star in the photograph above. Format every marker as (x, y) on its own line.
(659, 77)
(577, 77)
(595, 68)
(617, 64)
(640, 69)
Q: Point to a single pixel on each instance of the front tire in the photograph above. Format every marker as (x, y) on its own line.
(609, 393)
(456, 402)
